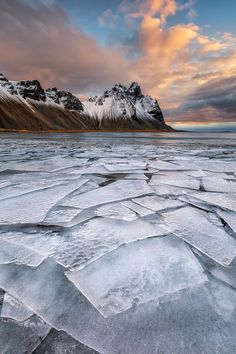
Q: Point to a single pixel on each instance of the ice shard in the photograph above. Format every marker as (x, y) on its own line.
(193, 226)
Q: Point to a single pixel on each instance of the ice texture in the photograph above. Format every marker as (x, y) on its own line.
(192, 226)
(111, 243)
(14, 309)
(33, 207)
(156, 203)
(221, 200)
(101, 235)
(137, 273)
(229, 217)
(116, 211)
(215, 184)
(116, 191)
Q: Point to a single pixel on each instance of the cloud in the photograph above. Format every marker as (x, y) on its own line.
(175, 61)
(108, 19)
(178, 64)
(213, 101)
(39, 42)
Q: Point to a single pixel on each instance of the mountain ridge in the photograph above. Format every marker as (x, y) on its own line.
(25, 105)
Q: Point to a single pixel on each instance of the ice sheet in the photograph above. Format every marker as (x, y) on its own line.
(15, 253)
(221, 200)
(229, 217)
(14, 309)
(116, 211)
(116, 191)
(156, 203)
(193, 226)
(137, 208)
(215, 184)
(101, 235)
(33, 207)
(137, 273)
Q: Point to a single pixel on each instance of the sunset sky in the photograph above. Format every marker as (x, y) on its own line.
(181, 52)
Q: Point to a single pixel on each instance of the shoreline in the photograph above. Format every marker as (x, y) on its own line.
(89, 131)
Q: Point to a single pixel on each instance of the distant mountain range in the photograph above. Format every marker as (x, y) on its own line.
(25, 105)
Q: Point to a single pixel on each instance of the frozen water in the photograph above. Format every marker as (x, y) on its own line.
(101, 235)
(59, 342)
(116, 191)
(156, 203)
(33, 207)
(137, 208)
(53, 164)
(42, 241)
(215, 184)
(22, 337)
(229, 217)
(167, 166)
(116, 211)
(15, 253)
(137, 273)
(14, 309)
(85, 224)
(193, 226)
(221, 200)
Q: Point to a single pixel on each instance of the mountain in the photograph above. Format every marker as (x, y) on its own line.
(25, 105)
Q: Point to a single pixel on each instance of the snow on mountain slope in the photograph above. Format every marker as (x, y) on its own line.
(128, 104)
(25, 105)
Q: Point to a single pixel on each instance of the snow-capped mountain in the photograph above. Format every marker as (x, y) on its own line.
(33, 90)
(25, 105)
(127, 104)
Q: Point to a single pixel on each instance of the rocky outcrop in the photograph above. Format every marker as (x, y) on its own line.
(64, 98)
(26, 88)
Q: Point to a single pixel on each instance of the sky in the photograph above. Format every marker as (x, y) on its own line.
(181, 52)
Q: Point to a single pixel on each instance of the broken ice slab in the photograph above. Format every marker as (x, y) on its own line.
(137, 273)
(193, 226)
(61, 215)
(156, 203)
(51, 164)
(213, 165)
(195, 202)
(168, 166)
(116, 191)
(39, 239)
(166, 190)
(215, 184)
(220, 175)
(22, 183)
(197, 174)
(221, 200)
(229, 217)
(59, 342)
(101, 235)
(49, 294)
(125, 166)
(223, 300)
(142, 211)
(184, 183)
(33, 207)
(116, 211)
(22, 337)
(177, 181)
(14, 309)
(15, 253)
(136, 176)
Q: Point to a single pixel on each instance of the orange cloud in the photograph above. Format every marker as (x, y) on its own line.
(171, 62)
